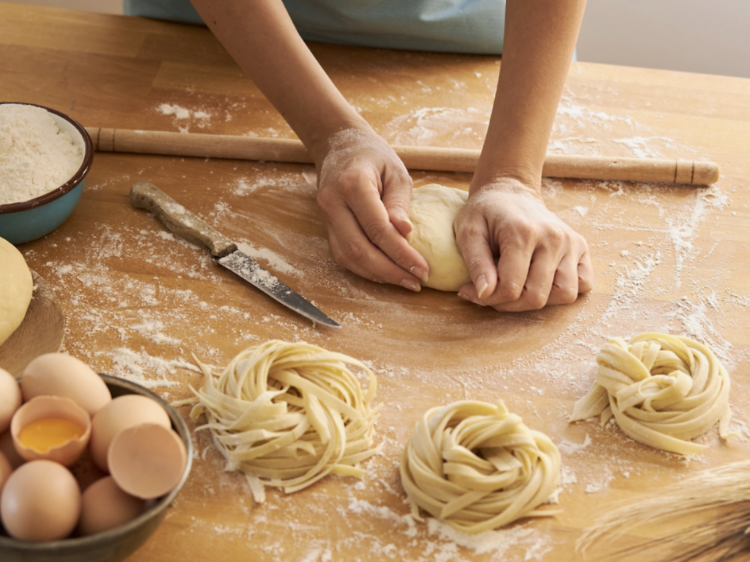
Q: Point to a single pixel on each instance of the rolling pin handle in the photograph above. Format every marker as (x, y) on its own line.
(180, 221)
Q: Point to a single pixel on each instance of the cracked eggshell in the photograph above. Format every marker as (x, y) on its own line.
(45, 407)
(57, 374)
(123, 412)
(147, 461)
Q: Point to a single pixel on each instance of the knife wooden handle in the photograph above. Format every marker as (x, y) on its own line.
(179, 220)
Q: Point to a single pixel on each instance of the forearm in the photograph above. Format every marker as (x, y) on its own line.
(262, 39)
(540, 40)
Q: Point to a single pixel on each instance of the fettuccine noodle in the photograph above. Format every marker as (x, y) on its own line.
(288, 414)
(477, 467)
(662, 390)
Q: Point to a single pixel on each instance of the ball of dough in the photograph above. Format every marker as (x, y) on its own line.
(477, 467)
(662, 390)
(432, 210)
(16, 287)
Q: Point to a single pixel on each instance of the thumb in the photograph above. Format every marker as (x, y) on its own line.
(477, 254)
(397, 186)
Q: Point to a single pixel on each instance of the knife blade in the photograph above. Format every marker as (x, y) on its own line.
(186, 225)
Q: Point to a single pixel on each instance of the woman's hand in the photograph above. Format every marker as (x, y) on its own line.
(364, 191)
(540, 259)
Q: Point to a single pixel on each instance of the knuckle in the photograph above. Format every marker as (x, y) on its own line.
(376, 232)
(473, 263)
(585, 285)
(402, 175)
(526, 230)
(350, 250)
(399, 257)
(555, 236)
(339, 256)
(324, 198)
(468, 230)
(510, 291)
(536, 300)
(568, 294)
(352, 180)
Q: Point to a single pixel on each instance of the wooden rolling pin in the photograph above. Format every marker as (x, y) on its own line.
(414, 157)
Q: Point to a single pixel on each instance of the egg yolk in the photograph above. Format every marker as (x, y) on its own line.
(45, 434)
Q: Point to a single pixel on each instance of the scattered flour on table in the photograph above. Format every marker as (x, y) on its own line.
(640, 145)
(684, 229)
(133, 366)
(181, 112)
(421, 127)
(439, 542)
(36, 157)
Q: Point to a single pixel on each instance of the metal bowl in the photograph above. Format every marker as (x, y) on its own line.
(32, 219)
(115, 544)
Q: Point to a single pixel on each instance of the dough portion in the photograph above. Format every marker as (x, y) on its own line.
(662, 390)
(432, 210)
(16, 287)
(477, 467)
(288, 414)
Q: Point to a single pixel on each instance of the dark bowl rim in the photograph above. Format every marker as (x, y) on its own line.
(163, 503)
(69, 185)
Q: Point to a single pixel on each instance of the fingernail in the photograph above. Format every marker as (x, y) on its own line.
(419, 272)
(411, 285)
(481, 285)
(463, 296)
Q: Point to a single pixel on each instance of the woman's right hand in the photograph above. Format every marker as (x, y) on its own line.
(364, 191)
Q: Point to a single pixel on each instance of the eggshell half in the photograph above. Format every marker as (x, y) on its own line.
(43, 407)
(40, 502)
(147, 461)
(121, 413)
(57, 374)
(105, 506)
(10, 398)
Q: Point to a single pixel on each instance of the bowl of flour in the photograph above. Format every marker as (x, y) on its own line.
(44, 158)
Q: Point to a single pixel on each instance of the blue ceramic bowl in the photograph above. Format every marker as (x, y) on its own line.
(32, 219)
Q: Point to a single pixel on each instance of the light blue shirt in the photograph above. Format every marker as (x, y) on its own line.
(456, 26)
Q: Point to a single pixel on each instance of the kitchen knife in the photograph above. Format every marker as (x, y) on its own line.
(186, 225)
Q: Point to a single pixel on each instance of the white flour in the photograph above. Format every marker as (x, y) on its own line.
(35, 155)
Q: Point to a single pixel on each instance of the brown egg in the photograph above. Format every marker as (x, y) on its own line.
(5, 471)
(121, 413)
(57, 374)
(86, 472)
(10, 398)
(52, 428)
(8, 449)
(40, 502)
(105, 506)
(147, 461)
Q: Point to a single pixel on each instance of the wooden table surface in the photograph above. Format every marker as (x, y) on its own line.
(138, 301)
